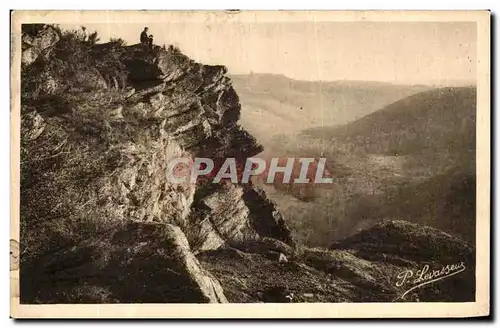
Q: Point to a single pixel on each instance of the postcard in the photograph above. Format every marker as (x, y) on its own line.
(250, 164)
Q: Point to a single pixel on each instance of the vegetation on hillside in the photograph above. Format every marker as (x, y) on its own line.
(72, 65)
(412, 160)
(74, 138)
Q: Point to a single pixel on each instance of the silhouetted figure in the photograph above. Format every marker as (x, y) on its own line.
(144, 37)
(150, 42)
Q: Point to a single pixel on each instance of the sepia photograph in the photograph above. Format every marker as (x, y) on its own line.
(287, 160)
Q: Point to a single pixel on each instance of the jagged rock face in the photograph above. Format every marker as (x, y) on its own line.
(95, 159)
(199, 103)
(189, 114)
(200, 110)
(33, 46)
(220, 218)
(267, 220)
(237, 216)
(125, 180)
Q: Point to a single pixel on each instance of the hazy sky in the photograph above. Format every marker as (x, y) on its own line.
(399, 52)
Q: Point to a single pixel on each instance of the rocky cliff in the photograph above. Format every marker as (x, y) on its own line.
(100, 222)
(94, 159)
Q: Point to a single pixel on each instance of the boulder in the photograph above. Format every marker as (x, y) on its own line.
(209, 287)
(117, 112)
(32, 126)
(34, 45)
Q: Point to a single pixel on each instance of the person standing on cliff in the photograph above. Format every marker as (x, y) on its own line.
(144, 37)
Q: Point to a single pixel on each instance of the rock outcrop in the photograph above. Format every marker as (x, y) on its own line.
(34, 45)
(236, 216)
(94, 164)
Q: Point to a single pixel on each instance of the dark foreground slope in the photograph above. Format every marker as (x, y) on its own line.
(379, 264)
(101, 223)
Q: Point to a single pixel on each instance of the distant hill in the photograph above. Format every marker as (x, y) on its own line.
(434, 120)
(412, 160)
(274, 104)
